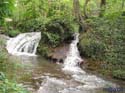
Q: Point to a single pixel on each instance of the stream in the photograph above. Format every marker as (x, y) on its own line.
(39, 75)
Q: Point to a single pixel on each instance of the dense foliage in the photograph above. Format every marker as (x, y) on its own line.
(6, 10)
(54, 33)
(105, 42)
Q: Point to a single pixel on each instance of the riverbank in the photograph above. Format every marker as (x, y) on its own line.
(95, 67)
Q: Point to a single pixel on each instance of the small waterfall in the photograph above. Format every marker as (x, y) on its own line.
(71, 67)
(73, 57)
(24, 44)
(80, 81)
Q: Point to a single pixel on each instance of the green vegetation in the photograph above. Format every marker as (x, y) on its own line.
(55, 32)
(104, 39)
(105, 42)
(6, 8)
(7, 85)
(53, 19)
(101, 24)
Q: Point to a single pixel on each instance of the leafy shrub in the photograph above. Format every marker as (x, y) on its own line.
(43, 49)
(93, 48)
(12, 33)
(105, 42)
(31, 25)
(50, 38)
(120, 74)
(6, 8)
(7, 86)
(56, 31)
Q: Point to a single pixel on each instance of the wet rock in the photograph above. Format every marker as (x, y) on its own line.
(59, 54)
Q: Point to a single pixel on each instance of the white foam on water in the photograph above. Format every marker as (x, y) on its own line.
(73, 57)
(51, 85)
(54, 85)
(24, 44)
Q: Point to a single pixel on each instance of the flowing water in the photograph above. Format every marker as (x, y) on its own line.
(24, 44)
(41, 76)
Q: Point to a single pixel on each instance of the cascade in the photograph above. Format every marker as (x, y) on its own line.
(24, 44)
(71, 67)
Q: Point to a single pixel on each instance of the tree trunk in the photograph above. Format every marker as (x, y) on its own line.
(78, 15)
(123, 3)
(84, 8)
(102, 7)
